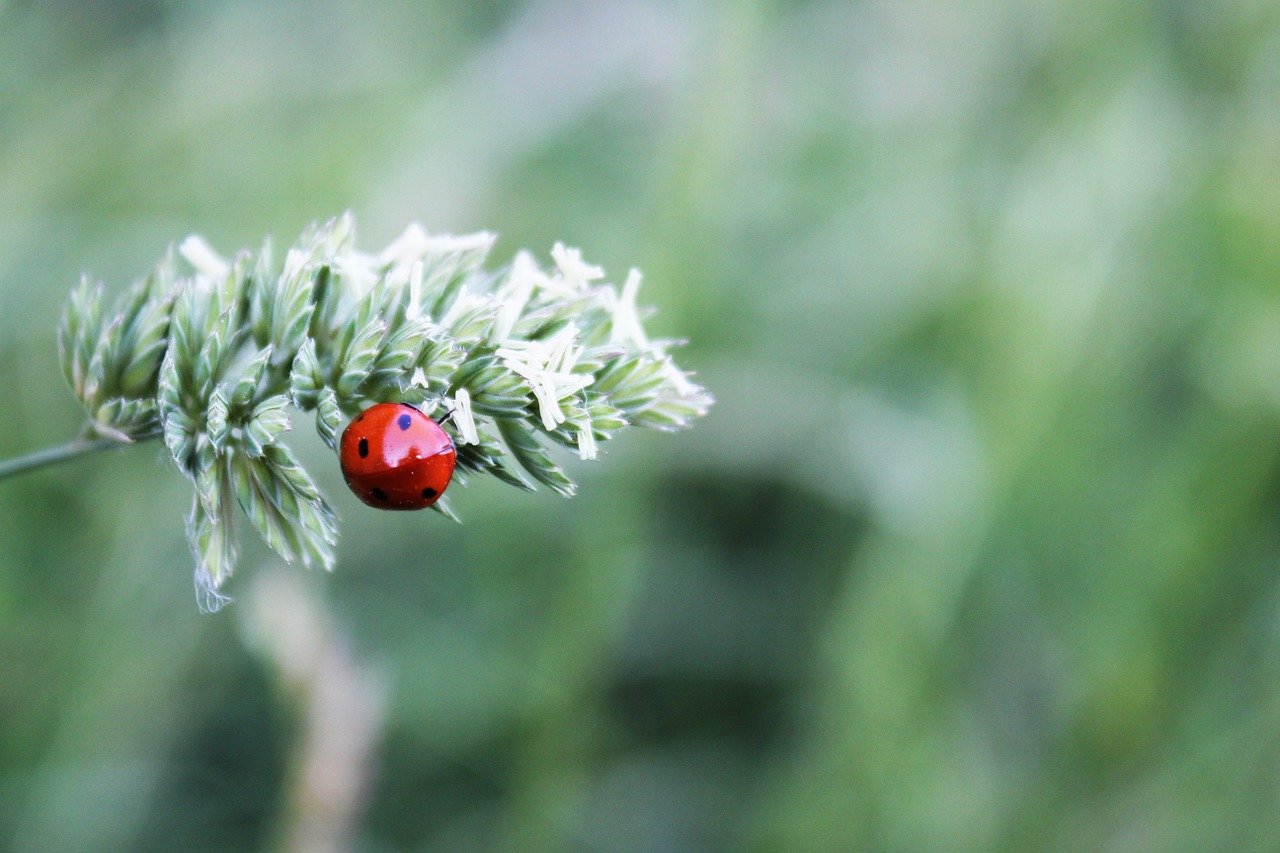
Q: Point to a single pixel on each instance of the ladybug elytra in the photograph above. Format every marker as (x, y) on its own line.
(395, 457)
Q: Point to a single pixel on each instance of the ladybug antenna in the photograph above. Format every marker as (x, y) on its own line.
(446, 417)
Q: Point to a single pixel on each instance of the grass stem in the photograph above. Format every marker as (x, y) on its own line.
(50, 455)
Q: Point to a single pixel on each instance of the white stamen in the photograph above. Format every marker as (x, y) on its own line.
(405, 249)
(515, 294)
(575, 273)
(359, 269)
(446, 243)
(679, 379)
(547, 366)
(415, 291)
(415, 244)
(419, 379)
(463, 418)
(586, 444)
(548, 405)
(627, 328)
(203, 258)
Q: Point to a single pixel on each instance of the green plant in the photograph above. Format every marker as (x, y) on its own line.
(212, 355)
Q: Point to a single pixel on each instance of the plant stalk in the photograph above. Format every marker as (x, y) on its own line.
(50, 455)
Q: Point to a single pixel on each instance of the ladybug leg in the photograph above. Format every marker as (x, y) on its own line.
(441, 420)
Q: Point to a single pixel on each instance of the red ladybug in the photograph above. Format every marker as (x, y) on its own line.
(395, 457)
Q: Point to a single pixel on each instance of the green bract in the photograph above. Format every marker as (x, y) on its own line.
(213, 355)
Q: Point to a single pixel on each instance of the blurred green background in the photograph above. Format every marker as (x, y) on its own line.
(977, 551)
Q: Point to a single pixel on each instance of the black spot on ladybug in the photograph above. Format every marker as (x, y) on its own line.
(429, 493)
(364, 447)
(359, 419)
(379, 494)
(403, 421)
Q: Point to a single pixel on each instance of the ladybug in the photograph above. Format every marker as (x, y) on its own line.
(395, 457)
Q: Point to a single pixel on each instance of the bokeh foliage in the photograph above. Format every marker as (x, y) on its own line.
(976, 552)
